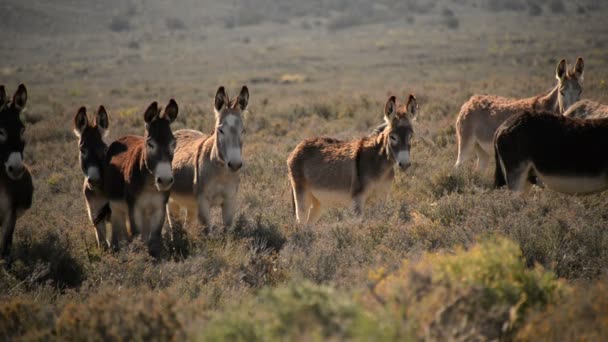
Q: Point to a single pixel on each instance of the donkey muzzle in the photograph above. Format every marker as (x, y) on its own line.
(403, 160)
(14, 166)
(235, 165)
(163, 176)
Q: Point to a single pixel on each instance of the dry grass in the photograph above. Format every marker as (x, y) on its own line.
(419, 243)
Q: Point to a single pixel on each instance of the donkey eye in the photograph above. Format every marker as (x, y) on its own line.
(150, 145)
(220, 130)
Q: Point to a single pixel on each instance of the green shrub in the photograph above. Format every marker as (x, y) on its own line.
(295, 312)
(482, 293)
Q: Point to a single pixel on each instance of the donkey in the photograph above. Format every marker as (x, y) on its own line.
(482, 114)
(567, 155)
(587, 109)
(16, 188)
(138, 178)
(92, 157)
(326, 171)
(207, 167)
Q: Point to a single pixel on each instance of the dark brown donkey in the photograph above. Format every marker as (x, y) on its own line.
(566, 155)
(16, 188)
(92, 157)
(138, 177)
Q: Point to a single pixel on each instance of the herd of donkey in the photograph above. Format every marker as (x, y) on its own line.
(552, 140)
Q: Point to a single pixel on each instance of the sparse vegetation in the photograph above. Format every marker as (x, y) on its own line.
(441, 255)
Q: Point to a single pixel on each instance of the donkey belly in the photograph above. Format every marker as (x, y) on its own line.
(575, 184)
(332, 197)
(185, 201)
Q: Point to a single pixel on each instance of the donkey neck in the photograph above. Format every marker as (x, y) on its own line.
(214, 154)
(547, 102)
(376, 149)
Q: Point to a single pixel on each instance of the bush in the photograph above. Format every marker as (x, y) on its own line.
(295, 312)
(116, 315)
(481, 294)
(583, 316)
(24, 318)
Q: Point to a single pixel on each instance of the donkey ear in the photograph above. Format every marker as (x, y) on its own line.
(80, 121)
(560, 71)
(171, 111)
(151, 113)
(243, 100)
(579, 68)
(221, 100)
(3, 97)
(101, 121)
(20, 97)
(389, 109)
(412, 106)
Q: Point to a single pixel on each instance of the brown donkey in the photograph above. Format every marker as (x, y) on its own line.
(482, 114)
(566, 155)
(16, 188)
(325, 171)
(206, 166)
(92, 157)
(138, 178)
(587, 109)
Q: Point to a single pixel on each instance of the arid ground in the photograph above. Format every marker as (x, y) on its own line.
(442, 255)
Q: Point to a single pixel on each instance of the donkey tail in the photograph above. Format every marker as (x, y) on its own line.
(499, 176)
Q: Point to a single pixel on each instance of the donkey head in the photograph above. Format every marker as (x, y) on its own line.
(160, 143)
(92, 147)
(398, 132)
(570, 83)
(229, 128)
(12, 140)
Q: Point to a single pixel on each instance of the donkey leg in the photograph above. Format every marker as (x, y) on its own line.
(155, 223)
(204, 213)
(315, 211)
(100, 235)
(8, 228)
(518, 178)
(173, 213)
(228, 211)
(119, 228)
(466, 145)
(483, 158)
(303, 201)
(94, 207)
(358, 204)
